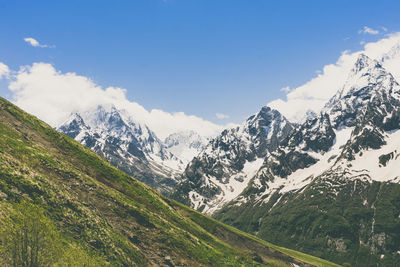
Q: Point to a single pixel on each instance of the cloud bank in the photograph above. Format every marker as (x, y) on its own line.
(52, 96)
(35, 43)
(313, 95)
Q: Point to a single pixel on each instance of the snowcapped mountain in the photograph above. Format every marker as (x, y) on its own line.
(332, 186)
(226, 165)
(367, 100)
(185, 145)
(126, 143)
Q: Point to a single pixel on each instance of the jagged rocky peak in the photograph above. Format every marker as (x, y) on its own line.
(355, 116)
(224, 168)
(103, 116)
(365, 62)
(126, 143)
(107, 120)
(254, 138)
(266, 129)
(368, 83)
(73, 126)
(301, 149)
(315, 134)
(360, 118)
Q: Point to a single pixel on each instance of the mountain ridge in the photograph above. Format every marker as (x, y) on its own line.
(224, 167)
(126, 143)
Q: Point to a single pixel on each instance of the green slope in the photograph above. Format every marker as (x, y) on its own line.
(109, 216)
(357, 226)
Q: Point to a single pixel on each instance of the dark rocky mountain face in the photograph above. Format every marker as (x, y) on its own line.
(332, 188)
(228, 162)
(129, 145)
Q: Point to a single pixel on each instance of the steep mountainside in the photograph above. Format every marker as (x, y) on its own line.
(110, 215)
(129, 145)
(332, 186)
(224, 168)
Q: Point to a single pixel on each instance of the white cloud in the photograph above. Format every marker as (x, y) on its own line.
(367, 30)
(314, 94)
(221, 116)
(285, 89)
(384, 29)
(35, 43)
(4, 70)
(52, 96)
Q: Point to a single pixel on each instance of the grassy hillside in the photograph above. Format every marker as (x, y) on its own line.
(102, 216)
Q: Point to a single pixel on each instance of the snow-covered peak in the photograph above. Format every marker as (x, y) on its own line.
(365, 62)
(368, 81)
(128, 144)
(262, 118)
(366, 71)
(191, 138)
(185, 145)
(106, 121)
(108, 118)
(264, 129)
(74, 118)
(229, 161)
(74, 126)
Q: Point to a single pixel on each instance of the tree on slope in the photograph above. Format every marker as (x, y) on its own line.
(28, 238)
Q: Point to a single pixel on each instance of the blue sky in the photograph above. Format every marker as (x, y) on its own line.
(200, 57)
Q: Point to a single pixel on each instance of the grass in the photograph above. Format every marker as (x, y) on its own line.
(210, 224)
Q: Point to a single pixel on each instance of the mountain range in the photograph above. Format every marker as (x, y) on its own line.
(328, 186)
(103, 217)
(331, 187)
(226, 165)
(132, 147)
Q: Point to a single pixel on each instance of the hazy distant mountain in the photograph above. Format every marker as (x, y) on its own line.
(185, 145)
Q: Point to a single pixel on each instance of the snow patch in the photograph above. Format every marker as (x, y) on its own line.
(368, 163)
(302, 177)
(237, 183)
